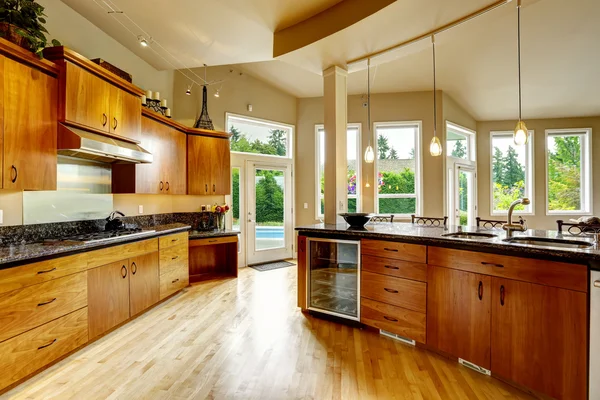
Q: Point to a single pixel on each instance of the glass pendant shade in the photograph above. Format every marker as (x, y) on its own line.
(369, 155)
(521, 135)
(435, 147)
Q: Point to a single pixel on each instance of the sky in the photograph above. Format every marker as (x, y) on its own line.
(401, 139)
(504, 142)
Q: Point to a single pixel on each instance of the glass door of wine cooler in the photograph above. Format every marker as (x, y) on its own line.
(334, 277)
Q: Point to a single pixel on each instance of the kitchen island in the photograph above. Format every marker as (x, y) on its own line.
(516, 311)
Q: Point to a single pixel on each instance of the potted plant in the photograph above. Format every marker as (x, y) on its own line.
(22, 22)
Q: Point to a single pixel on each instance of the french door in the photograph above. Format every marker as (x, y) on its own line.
(269, 223)
(462, 194)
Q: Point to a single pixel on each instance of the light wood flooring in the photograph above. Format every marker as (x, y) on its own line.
(245, 339)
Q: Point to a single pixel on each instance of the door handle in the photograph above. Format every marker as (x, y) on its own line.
(206, 187)
(214, 187)
(115, 123)
(502, 295)
(124, 272)
(480, 290)
(104, 119)
(251, 220)
(161, 185)
(13, 169)
(167, 186)
(597, 284)
(133, 268)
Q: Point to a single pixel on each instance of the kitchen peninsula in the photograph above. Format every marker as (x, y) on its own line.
(516, 311)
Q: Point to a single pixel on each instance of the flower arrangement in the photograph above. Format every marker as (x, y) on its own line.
(220, 209)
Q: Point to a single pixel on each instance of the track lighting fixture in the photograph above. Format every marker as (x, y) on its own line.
(143, 41)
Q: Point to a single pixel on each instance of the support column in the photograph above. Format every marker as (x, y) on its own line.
(336, 163)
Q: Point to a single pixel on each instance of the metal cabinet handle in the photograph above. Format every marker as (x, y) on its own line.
(104, 119)
(161, 185)
(394, 250)
(176, 280)
(133, 265)
(502, 295)
(492, 264)
(174, 258)
(206, 187)
(124, 272)
(214, 187)
(115, 123)
(597, 284)
(16, 174)
(390, 318)
(167, 186)
(47, 302)
(46, 271)
(46, 345)
(174, 240)
(390, 290)
(390, 267)
(213, 241)
(480, 291)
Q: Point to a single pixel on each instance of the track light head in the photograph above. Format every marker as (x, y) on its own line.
(143, 41)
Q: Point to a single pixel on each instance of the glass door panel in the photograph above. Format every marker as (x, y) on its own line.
(464, 196)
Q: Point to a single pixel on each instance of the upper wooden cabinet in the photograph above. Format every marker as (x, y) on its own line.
(209, 165)
(92, 98)
(29, 126)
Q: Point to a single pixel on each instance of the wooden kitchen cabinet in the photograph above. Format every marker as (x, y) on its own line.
(144, 283)
(29, 137)
(302, 264)
(108, 297)
(539, 337)
(209, 165)
(458, 314)
(125, 114)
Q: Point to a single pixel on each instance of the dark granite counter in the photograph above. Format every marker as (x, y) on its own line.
(211, 234)
(18, 254)
(433, 236)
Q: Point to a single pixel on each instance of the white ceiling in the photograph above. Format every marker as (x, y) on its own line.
(476, 61)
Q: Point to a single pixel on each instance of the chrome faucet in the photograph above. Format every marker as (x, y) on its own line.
(509, 227)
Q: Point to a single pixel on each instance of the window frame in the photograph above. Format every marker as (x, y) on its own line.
(274, 124)
(471, 137)
(529, 174)
(586, 170)
(358, 196)
(418, 167)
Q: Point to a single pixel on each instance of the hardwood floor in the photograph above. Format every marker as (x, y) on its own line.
(246, 339)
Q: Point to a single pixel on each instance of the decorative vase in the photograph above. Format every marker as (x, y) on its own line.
(221, 222)
(9, 32)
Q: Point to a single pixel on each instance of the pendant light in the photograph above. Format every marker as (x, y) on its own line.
(435, 147)
(521, 135)
(369, 153)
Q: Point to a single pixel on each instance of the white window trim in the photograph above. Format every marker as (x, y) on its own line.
(471, 136)
(529, 173)
(418, 167)
(586, 170)
(274, 124)
(358, 196)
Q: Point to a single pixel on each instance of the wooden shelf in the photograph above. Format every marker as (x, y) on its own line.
(185, 129)
(23, 56)
(213, 261)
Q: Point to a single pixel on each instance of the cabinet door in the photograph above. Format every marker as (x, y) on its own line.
(148, 177)
(302, 272)
(30, 128)
(221, 167)
(199, 166)
(87, 99)
(125, 114)
(108, 297)
(539, 337)
(144, 283)
(174, 168)
(458, 314)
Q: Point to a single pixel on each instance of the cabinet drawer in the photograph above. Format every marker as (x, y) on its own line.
(400, 269)
(173, 257)
(172, 240)
(25, 309)
(394, 250)
(27, 353)
(213, 241)
(113, 254)
(173, 281)
(549, 273)
(32, 274)
(395, 291)
(403, 322)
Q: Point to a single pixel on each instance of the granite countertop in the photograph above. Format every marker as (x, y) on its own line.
(432, 236)
(18, 254)
(211, 234)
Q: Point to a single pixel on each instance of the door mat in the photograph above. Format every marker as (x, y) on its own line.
(271, 265)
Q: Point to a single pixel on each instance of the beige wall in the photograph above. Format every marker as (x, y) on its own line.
(453, 112)
(236, 92)
(416, 106)
(540, 220)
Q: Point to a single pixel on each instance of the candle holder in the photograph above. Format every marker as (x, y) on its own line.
(155, 106)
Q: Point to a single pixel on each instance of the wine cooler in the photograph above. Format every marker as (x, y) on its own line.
(333, 269)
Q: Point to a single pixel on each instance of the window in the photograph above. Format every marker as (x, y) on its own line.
(354, 156)
(235, 199)
(398, 168)
(256, 136)
(511, 173)
(568, 171)
(460, 142)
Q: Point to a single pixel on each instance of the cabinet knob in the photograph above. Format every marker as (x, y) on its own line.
(104, 119)
(14, 174)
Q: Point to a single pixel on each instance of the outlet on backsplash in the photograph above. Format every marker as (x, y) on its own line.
(140, 209)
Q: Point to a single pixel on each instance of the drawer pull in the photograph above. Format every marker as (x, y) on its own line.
(213, 241)
(46, 345)
(390, 318)
(47, 302)
(174, 258)
(502, 295)
(390, 267)
(387, 249)
(46, 271)
(492, 264)
(174, 240)
(176, 280)
(480, 291)
(390, 290)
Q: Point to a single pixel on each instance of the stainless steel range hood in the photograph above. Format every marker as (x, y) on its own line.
(75, 142)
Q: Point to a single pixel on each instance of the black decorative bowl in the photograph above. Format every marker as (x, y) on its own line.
(356, 220)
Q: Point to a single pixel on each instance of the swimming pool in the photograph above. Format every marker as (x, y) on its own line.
(270, 232)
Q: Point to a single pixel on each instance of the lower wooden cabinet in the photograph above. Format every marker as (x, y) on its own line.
(144, 284)
(398, 320)
(539, 337)
(458, 314)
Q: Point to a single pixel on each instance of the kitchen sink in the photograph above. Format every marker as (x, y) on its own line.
(546, 242)
(469, 235)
